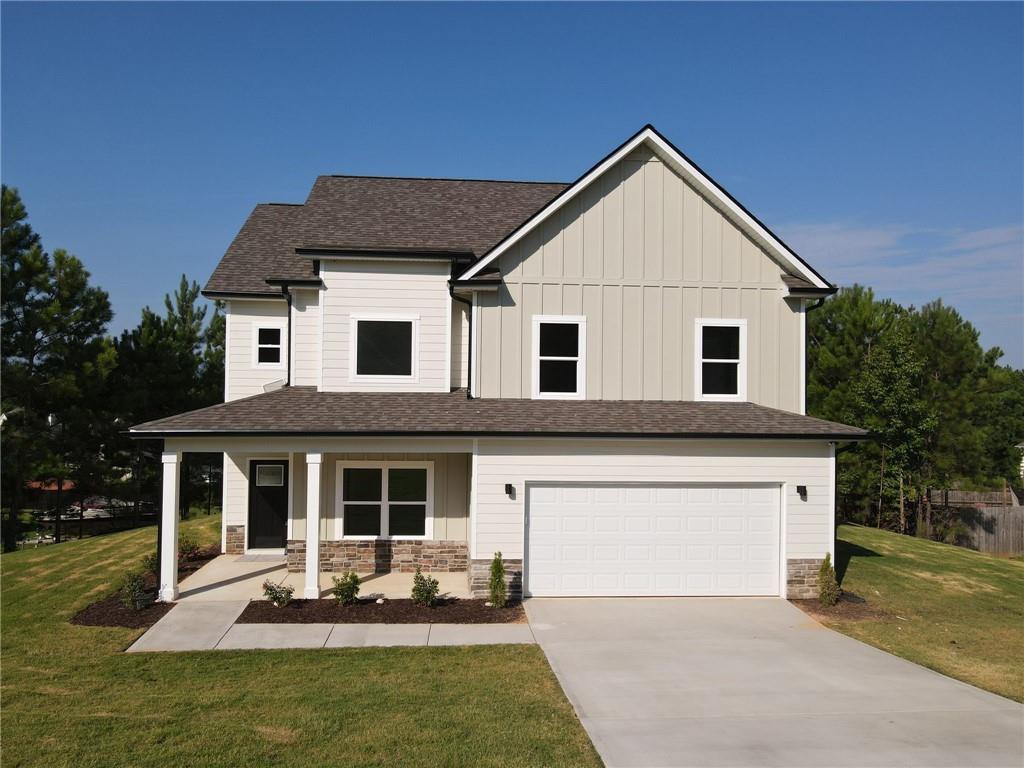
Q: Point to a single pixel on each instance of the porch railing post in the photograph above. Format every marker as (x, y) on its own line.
(312, 584)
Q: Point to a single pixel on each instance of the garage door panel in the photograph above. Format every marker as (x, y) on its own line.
(653, 540)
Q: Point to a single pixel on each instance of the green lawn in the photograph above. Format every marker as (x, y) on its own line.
(953, 610)
(71, 698)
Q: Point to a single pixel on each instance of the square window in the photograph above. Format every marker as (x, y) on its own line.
(384, 347)
(362, 484)
(407, 519)
(361, 519)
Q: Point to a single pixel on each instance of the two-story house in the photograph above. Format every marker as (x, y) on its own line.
(602, 380)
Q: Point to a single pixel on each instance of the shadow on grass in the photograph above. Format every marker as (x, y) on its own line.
(844, 551)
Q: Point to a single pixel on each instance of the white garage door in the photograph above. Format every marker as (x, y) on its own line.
(652, 540)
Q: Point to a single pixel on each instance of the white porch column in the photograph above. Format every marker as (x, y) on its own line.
(312, 588)
(169, 527)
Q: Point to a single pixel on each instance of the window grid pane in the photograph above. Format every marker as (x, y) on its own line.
(361, 519)
(720, 342)
(720, 378)
(407, 519)
(559, 340)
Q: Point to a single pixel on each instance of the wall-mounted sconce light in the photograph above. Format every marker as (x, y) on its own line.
(510, 490)
(802, 492)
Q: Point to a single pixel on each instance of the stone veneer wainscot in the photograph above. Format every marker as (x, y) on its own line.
(234, 540)
(382, 555)
(802, 578)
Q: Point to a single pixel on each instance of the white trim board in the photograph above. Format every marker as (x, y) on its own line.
(692, 175)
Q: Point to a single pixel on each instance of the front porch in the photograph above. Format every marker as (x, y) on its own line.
(377, 512)
(241, 577)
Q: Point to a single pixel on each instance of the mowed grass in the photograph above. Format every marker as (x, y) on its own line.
(71, 698)
(956, 611)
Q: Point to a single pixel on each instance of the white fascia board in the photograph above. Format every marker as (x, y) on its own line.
(693, 175)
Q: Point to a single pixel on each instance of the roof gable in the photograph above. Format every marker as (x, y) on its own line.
(690, 173)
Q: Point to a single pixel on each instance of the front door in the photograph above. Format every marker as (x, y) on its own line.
(268, 504)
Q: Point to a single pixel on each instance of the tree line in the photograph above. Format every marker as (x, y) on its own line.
(943, 411)
(70, 390)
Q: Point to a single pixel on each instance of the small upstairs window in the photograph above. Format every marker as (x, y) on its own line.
(721, 364)
(384, 347)
(268, 349)
(559, 351)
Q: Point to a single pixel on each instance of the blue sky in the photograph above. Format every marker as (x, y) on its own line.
(883, 141)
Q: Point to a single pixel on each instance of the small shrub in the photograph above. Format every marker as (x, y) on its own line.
(497, 586)
(346, 589)
(133, 590)
(424, 589)
(828, 587)
(187, 548)
(279, 594)
(149, 563)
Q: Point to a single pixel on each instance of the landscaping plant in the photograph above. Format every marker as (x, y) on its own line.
(149, 563)
(498, 588)
(346, 589)
(187, 548)
(279, 594)
(424, 589)
(133, 590)
(828, 587)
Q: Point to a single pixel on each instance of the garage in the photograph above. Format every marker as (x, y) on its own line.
(648, 540)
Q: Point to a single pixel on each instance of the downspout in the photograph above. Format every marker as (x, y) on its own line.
(288, 365)
(469, 322)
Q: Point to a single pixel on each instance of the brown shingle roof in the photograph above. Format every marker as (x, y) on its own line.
(361, 212)
(304, 410)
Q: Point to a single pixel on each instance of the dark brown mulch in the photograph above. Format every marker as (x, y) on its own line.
(405, 611)
(111, 612)
(850, 606)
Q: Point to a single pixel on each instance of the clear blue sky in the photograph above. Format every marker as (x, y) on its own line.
(883, 141)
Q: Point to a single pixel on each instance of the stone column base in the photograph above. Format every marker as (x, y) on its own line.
(234, 540)
(802, 578)
(480, 578)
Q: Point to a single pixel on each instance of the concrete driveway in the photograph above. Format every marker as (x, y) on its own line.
(756, 682)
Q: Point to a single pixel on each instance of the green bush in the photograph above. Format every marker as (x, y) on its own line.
(346, 589)
(133, 590)
(187, 547)
(424, 589)
(828, 587)
(498, 588)
(149, 563)
(279, 594)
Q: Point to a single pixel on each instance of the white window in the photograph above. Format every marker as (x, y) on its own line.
(383, 348)
(268, 345)
(720, 371)
(386, 499)
(559, 357)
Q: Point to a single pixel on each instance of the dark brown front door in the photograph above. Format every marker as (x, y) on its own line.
(268, 504)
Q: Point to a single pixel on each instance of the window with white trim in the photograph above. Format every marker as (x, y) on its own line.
(268, 345)
(384, 347)
(559, 357)
(386, 499)
(721, 364)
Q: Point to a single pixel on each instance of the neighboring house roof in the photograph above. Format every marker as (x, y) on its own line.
(368, 214)
(305, 411)
(695, 176)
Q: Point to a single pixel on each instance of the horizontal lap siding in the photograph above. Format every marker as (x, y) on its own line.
(243, 378)
(373, 288)
(306, 338)
(499, 521)
(642, 255)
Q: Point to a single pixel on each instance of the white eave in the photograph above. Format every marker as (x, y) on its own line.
(688, 171)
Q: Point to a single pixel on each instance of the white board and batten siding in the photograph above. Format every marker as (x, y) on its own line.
(388, 290)
(641, 254)
(806, 525)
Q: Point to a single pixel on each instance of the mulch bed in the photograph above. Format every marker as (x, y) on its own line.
(404, 611)
(850, 606)
(111, 612)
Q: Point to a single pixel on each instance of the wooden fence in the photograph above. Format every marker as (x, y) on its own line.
(990, 521)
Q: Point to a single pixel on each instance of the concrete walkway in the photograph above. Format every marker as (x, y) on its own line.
(210, 625)
(743, 682)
